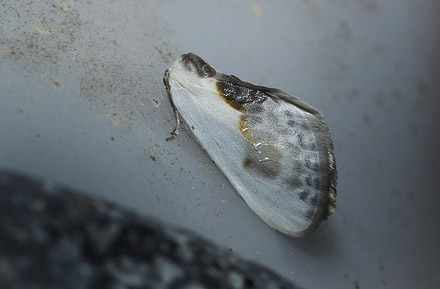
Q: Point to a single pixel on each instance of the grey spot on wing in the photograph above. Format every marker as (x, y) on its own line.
(298, 168)
(300, 138)
(252, 118)
(298, 122)
(193, 62)
(310, 214)
(267, 169)
(309, 180)
(294, 182)
(307, 162)
(316, 182)
(312, 181)
(288, 113)
(310, 162)
(304, 194)
(314, 200)
(254, 108)
(272, 117)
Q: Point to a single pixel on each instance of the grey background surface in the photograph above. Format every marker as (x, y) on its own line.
(82, 103)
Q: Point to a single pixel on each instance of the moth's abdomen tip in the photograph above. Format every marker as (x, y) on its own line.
(194, 63)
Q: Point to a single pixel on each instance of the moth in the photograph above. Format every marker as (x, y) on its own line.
(274, 148)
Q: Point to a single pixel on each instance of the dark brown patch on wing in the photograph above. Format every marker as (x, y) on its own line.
(193, 62)
(268, 169)
(237, 92)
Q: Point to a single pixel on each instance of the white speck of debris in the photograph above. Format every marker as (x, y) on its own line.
(235, 280)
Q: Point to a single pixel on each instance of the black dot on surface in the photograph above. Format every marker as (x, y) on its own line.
(304, 194)
(291, 123)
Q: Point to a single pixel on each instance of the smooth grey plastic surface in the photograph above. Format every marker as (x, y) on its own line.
(82, 103)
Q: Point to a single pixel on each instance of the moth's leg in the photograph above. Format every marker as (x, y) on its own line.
(175, 131)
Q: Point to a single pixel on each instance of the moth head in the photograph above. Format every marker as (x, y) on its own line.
(187, 72)
(196, 65)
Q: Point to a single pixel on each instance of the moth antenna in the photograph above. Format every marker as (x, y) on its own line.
(171, 137)
(175, 131)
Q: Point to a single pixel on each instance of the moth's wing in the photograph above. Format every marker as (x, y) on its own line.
(219, 129)
(317, 127)
(324, 145)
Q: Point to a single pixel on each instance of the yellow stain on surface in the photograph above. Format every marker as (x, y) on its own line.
(240, 52)
(42, 30)
(44, 78)
(116, 123)
(156, 102)
(66, 6)
(116, 118)
(257, 10)
(50, 80)
(4, 49)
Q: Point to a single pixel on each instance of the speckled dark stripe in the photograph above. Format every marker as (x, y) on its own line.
(61, 239)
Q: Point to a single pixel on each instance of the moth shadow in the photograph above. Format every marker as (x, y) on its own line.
(321, 243)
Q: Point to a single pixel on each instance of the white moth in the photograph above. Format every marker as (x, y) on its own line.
(274, 148)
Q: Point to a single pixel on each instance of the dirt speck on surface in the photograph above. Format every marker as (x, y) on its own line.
(397, 95)
(379, 100)
(422, 87)
(356, 285)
